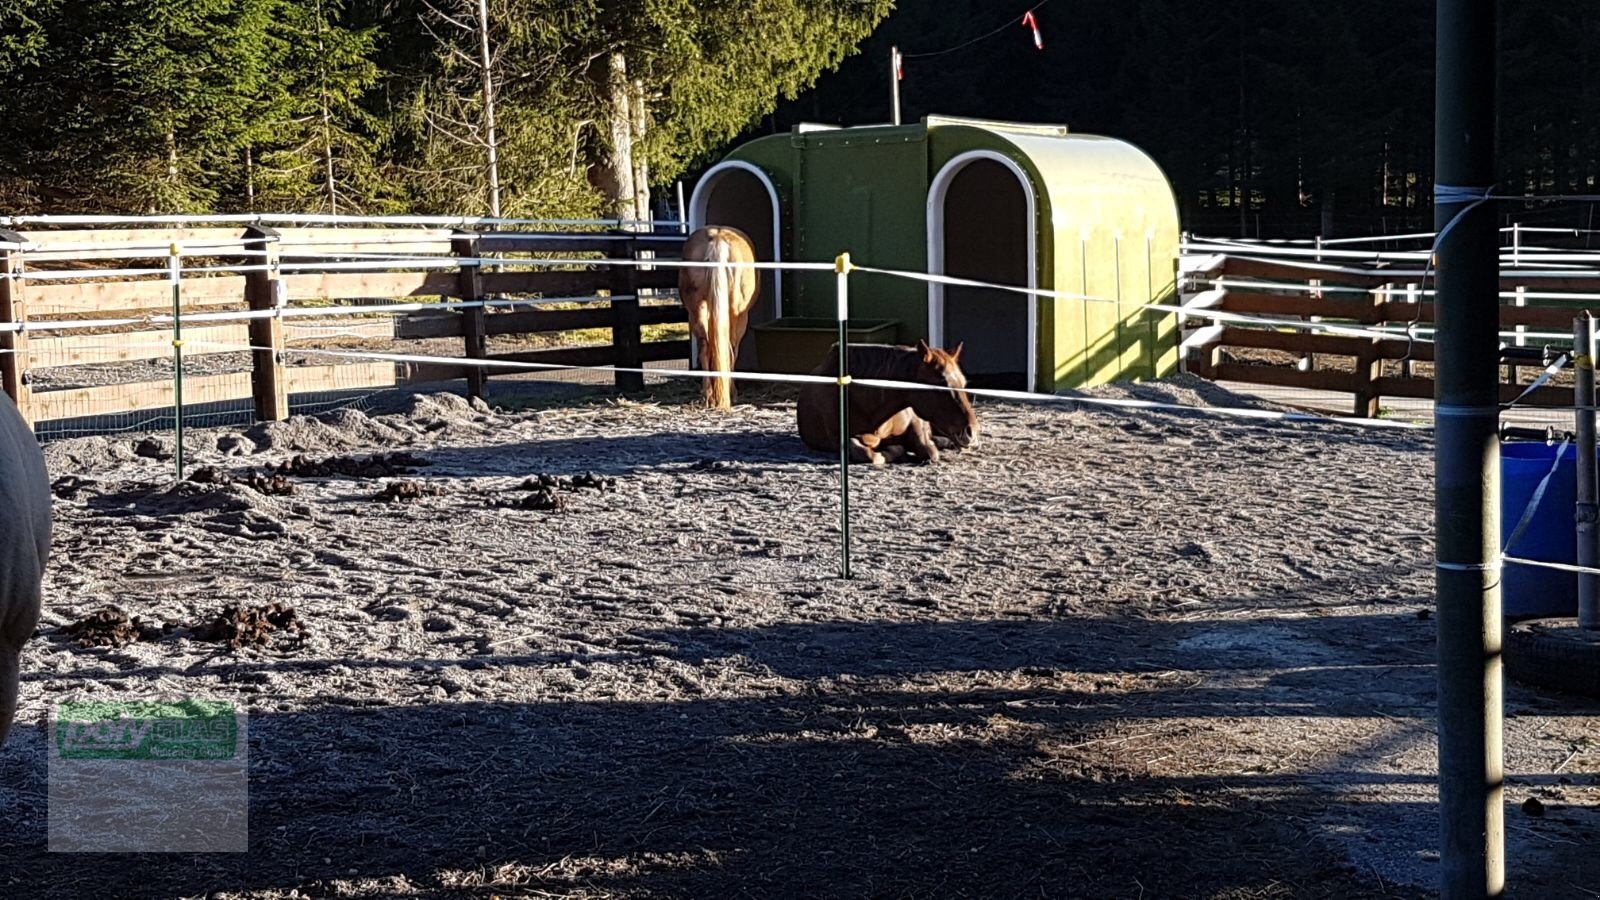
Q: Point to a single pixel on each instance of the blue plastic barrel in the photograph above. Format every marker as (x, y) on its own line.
(1551, 535)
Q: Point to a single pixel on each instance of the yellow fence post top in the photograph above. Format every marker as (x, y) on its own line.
(842, 264)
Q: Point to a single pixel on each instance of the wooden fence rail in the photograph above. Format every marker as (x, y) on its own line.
(263, 270)
(1367, 367)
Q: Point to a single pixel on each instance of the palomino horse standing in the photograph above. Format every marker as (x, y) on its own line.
(886, 424)
(24, 546)
(718, 299)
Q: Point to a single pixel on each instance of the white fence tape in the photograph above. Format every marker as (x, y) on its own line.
(932, 278)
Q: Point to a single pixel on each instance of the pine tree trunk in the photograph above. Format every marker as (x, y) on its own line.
(618, 177)
(329, 173)
(491, 139)
(327, 160)
(639, 119)
(172, 174)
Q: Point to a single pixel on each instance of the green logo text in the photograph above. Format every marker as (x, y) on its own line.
(185, 729)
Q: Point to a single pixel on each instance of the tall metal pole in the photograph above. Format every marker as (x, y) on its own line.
(894, 85)
(1467, 458)
(1588, 510)
(175, 274)
(842, 266)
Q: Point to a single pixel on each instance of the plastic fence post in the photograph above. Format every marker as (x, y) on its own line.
(175, 273)
(842, 267)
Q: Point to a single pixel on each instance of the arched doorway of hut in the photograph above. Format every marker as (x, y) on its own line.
(738, 195)
(981, 225)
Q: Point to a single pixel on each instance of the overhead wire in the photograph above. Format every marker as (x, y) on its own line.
(1010, 23)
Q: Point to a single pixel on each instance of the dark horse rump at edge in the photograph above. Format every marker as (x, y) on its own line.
(887, 423)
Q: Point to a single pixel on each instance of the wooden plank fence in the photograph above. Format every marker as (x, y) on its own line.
(1367, 367)
(238, 269)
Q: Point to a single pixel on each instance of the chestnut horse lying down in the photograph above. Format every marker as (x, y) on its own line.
(718, 300)
(887, 424)
(24, 546)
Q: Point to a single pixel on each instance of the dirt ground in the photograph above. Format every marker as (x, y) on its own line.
(1099, 655)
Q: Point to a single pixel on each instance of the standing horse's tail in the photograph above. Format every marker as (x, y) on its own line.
(719, 337)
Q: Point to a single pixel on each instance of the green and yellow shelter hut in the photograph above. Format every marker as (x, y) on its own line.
(1003, 203)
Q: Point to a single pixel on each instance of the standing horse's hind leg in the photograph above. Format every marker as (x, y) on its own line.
(708, 387)
(710, 383)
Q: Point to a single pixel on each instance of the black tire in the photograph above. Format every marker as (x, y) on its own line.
(1554, 653)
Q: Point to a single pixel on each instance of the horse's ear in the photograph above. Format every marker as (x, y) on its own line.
(955, 355)
(925, 350)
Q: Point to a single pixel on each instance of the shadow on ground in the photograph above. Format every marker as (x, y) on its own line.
(861, 774)
(726, 798)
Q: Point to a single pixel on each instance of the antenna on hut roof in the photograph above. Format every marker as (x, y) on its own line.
(897, 71)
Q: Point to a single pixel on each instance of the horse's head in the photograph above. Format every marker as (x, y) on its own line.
(948, 411)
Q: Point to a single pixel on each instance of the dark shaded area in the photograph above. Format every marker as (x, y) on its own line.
(1277, 118)
(879, 778)
(838, 789)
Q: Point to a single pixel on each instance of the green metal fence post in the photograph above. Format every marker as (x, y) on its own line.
(175, 272)
(842, 267)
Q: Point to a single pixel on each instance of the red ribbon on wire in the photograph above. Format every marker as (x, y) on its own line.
(1032, 22)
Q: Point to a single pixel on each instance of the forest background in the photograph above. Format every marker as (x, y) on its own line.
(1271, 117)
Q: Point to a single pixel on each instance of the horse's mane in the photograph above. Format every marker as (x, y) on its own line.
(888, 362)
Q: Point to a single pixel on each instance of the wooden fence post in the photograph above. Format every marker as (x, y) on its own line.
(1308, 361)
(13, 308)
(474, 328)
(625, 334)
(264, 292)
(1206, 357)
(1369, 362)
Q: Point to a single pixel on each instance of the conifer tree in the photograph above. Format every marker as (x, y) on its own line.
(321, 151)
(149, 104)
